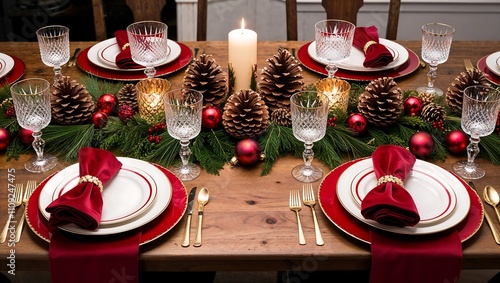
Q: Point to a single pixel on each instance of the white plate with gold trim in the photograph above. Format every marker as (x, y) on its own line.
(138, 197)
(103, 54)
(441, 199)
(357, 57)
(493, 63)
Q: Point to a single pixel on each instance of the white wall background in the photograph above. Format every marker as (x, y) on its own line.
(472, 19)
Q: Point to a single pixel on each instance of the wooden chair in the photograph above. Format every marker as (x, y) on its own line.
(344, 10)
(142, 10)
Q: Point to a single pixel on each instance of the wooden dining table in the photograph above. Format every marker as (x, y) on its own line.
(247, 223)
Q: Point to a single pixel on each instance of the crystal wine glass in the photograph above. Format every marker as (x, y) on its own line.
(309, 111)
(183, 115)
(148, 44)
(32, 103)
(333, 42)
(53, 42)
(479, 114)
(436, 44)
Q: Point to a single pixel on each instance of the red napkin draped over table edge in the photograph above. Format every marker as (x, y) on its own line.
(389, 203)
(376, 55)
(434, 258)
(124, 59)
(82, 205)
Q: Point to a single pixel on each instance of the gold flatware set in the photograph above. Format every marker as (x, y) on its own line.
(19, 197)
(494, 230)
(203, 197)
(296, 205)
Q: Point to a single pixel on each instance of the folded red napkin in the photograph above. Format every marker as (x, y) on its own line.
(434, 258)
(82, 205)
(124, 58)
(389, 203)
(376, 55)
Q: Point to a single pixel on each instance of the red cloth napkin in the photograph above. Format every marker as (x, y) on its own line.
(435, 258)
(376, 55)
(389, 203)
(124, 59)
(82, 205)
(84, 259)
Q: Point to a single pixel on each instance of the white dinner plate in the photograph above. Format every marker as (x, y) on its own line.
(123, 179)
(7, 63)
(355, 60)
(103, 54)
(493, 63)
(434, 198)
(438, 214)
(127, 195)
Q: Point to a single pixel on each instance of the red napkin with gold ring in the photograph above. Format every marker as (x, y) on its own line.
(366, 39)
(389, 202)
(82, 205)
(124, 59)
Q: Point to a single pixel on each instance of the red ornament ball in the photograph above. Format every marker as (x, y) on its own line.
(421, 144)
(107, 103)
(456, 141)
(26, 136)
(99, 119)
(357, 122)
(125, 112)
(211, 117)
(247, 152)
(4, 139)
(413, 106)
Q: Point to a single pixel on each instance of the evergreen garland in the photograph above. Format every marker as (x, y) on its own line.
(212, 149)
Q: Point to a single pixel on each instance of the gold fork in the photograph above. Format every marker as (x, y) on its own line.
(468, 64)
(296, 206)
(16, 200)
(309, 200)
(30, 187)
(72, 61)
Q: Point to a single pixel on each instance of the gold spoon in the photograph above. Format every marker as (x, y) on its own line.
(202, 200)
(492, 198)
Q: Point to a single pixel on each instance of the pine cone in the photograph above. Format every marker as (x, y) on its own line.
(71, 102)
(282, 117)
(128, 95)
(433, 112)
(426, 97)
(380, 103)
(280, 80)
(245, 115)
(455, 93)
(207, 77)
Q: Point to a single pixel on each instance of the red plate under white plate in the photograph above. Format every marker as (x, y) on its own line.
(87, 66)
(492, 77)
(15, 73)
(407, 68)
(150, 231)
(340, 217)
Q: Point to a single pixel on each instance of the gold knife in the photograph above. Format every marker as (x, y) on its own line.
(187, 228)
(494, 230)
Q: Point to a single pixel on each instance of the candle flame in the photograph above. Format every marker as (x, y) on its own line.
(242, 23)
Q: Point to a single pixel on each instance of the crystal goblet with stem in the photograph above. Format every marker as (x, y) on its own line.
(480, 108)
(309, 110)
(148, 44)
(183, 109)
(436, 45)
(32, 104)
(333, 42)
(53, 42)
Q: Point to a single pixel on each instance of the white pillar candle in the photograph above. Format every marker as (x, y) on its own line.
(242, 45)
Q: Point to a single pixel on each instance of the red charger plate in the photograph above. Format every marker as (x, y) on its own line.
(334, 210)
(151, 231)
(490, 76)
(407, 68)
(88, 67)
(15, 74)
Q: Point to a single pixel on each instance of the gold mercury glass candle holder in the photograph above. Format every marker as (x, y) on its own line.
(336, 90)
(150, 93)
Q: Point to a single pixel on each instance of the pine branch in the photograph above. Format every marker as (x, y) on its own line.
(66, 140)
(490, 146)
(275, 142)
(211, 162)
(97, 87)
